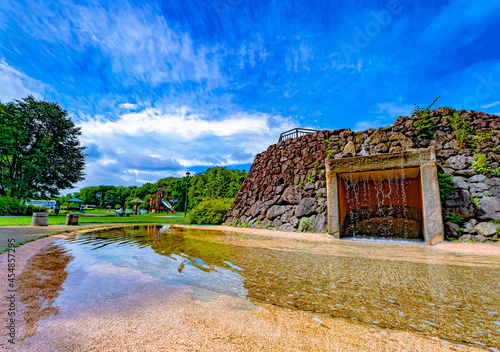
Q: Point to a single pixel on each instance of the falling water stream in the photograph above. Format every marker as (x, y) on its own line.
(377, 205)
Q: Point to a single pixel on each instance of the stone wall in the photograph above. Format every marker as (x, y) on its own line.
(285, 187)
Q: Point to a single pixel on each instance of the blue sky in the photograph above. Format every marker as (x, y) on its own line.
(163, 87)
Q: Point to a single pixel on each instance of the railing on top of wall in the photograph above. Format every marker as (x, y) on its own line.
(295, 133)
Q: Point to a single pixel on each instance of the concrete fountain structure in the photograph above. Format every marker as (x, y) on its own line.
(406, 181)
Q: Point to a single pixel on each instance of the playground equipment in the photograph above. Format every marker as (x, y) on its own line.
(159, 203)
(168, 206)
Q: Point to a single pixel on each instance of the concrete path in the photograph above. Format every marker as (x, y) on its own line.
(23, 233)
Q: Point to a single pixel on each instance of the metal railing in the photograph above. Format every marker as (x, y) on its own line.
(295, 133)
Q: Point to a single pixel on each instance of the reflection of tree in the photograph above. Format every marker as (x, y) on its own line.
(39, 285)
(202, 254)
(181, 267)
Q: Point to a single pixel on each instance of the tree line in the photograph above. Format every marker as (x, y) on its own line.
(216, 182)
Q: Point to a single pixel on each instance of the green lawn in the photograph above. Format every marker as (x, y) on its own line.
(84, 219)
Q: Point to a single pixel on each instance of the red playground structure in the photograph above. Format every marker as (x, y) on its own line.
(159, 203)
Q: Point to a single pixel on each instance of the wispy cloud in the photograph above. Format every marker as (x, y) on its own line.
(490, 105)
(15, 84)
(136, 40)
(394, 110)
(128, 106)
(365, 125)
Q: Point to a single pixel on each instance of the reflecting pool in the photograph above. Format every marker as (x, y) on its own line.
(455, 297)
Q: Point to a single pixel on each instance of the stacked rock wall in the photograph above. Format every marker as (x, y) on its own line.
(285, 187)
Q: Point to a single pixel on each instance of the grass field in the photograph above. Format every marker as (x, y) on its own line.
(86, 219)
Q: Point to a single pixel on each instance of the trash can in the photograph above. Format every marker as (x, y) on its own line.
(39, 219)
(72, 219)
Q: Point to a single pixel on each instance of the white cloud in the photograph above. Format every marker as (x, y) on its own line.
(394, 110)
(179, 123)
(128, 106)
(358, 66)
(490, 105)
(16, 85)
(365, 125)
(154, 143)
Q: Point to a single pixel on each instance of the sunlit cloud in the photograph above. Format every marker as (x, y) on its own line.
(491, 105)
(15, 84)
(128, 106)
(365, 125)
(167, 142)
(394, 110)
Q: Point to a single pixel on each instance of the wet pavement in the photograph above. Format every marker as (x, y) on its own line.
(23, 233)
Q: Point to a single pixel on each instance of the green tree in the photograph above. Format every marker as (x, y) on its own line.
(217, 182)
(39, 149)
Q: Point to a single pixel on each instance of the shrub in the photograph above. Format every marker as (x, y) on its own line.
(12, 206)
(481, 163)
(475, 200)
(446, 185)
(329, 154)
(481, 137)
(304, 223)
(455, 219)
(461, 127)
(210, 211)
(425, 124)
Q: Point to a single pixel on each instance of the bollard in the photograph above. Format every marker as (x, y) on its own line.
(72, 219)
(39, 219)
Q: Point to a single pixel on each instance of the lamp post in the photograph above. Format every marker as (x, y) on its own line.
(99, 195)
(186, 199)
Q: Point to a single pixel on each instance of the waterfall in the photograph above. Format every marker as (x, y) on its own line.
(378, 204)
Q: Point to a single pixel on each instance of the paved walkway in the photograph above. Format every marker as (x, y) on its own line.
(23, 233)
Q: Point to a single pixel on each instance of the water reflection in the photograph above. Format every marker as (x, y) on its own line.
(40, 285)
(455, 302)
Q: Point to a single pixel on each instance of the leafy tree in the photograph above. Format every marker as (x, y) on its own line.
(39, 149)
(217, 182)
(113, 197)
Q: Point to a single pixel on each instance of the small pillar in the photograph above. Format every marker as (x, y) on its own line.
(39, 219)
(72, 219)
(332, 203)
(432, 222)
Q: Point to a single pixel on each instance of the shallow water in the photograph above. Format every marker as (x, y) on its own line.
(403, 287)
